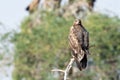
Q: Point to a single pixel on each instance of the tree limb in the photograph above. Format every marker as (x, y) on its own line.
(67, 68)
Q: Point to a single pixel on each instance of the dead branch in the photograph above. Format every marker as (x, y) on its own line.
(66, 71)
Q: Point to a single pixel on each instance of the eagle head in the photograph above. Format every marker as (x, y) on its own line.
(77, 22)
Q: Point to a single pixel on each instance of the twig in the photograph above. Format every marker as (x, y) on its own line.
(59, 70)
(67, 68)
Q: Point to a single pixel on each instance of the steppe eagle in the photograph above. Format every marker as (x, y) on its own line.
(79, 43)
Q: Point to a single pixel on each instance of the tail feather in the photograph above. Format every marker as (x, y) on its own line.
(83, 63)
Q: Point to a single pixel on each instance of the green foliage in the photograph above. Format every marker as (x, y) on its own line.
(104, 34)
(40, 48)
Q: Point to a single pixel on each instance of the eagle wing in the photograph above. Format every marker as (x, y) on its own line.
(76, 41)
(85, 45)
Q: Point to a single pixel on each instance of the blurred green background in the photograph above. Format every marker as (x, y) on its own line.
(42, 45)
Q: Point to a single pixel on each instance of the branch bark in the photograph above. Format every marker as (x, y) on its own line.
(66, 71)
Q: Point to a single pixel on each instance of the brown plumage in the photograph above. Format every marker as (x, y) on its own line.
(33, 6)
(79, 44)
(91, 4)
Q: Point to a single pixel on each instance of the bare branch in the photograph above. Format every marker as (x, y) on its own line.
(66, 71)
(59, 70)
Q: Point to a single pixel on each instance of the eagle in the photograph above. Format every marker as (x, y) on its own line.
(33, 6)
(91, 4)
(79, 44)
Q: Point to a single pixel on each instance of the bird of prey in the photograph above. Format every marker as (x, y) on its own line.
(33, 6)
(79, 44)
(91, 4)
